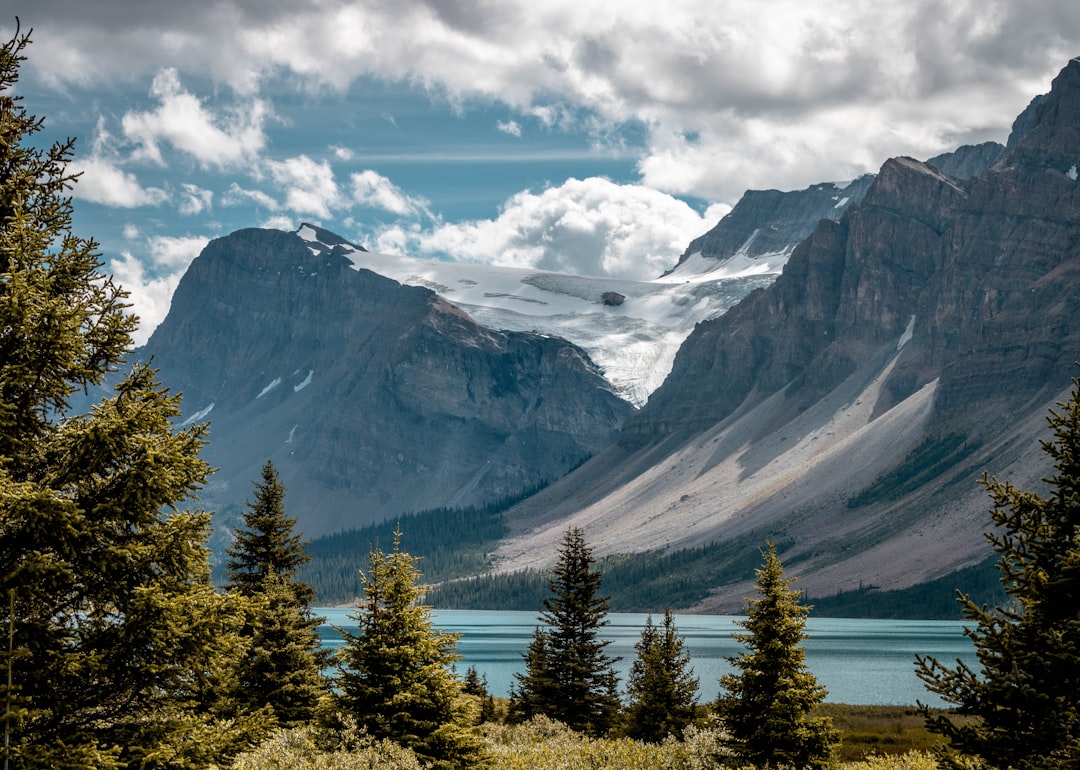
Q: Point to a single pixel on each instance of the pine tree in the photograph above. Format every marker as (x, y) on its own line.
(396, 677)
(662, 688)
(115, 631)
(765, 704)
(1026, 698)
(281, 668)
(568, 676)
(268, 542)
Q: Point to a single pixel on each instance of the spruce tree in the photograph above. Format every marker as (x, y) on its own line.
(569, 677)
(662, 688)
(115, 632)
(766, 703)
(1025, 699)
(396, 677)
(267, 543)
(282, 665)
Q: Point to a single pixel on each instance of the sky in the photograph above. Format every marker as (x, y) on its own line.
(581, 136)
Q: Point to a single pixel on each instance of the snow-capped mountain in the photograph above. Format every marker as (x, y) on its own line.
(630, 329)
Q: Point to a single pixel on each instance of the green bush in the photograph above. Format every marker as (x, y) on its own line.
(305, 748)
(544, 744)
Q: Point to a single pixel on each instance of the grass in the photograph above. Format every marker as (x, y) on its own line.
(878, 730)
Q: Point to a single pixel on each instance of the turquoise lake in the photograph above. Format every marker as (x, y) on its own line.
(859, 661)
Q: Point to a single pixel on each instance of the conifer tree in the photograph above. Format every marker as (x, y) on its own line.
(396, 678)
(662, 688)
(1026, 697)
(267, 543)
(282, 665)
(765, 704)
(115, 631)
(569, 677)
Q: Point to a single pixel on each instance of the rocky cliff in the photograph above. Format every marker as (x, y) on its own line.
(849, 408)
(773, 222)
(372, 398)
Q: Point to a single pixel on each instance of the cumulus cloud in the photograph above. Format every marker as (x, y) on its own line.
(104, 182)
(369, 188)
(309, 185)
(224, 140)
(151, 277)
(585, 226)
(194, 199)
(780, 90)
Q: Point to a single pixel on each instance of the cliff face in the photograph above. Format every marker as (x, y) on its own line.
(771, 221)
(983, 270)
(849, 407)
(372, 398)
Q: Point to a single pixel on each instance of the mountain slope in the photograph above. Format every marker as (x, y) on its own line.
(372, 398)
(631, 329)
(849, 408)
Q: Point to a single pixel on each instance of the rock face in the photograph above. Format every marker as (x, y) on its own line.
(771, 221)
(850, 407)
(372, 398)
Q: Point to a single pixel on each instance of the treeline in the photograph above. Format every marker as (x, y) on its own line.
(451, 542)
(935, 600)
(636, 582)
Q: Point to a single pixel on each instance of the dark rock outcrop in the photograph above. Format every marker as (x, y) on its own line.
(372, 398)
(769, 221)
(968, 161)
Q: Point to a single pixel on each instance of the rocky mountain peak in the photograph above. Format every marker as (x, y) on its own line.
(1047, 133)
(373, 398)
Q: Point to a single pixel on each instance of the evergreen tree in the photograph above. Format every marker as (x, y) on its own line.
(115, 632)
(662, 688)
(268, 542)
(1026, 699)
(396, 676)
(476, 685)
(568, 676)
(281, 667)
(765, 705)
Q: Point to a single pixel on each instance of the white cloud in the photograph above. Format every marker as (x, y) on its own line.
(195, 200)
(237, 196)
(511, 127)
(343, 153)
(588, 226)
(369, 188)
(781, 91)
(104, 182)
(279, 222)
(225, 140)
(309, 185)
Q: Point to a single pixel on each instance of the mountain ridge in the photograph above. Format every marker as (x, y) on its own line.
(934, 307)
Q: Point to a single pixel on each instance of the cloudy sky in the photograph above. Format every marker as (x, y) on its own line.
(589, 136)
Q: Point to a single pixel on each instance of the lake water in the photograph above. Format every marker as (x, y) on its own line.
(858, 661)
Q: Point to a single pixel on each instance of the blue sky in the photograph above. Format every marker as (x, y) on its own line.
(578, 135)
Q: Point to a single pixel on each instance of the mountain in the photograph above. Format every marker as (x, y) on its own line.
(771, 223)
(848, 409)
(631, 329)
(372, 398)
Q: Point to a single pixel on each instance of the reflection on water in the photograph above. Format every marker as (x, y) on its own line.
(858, 661)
